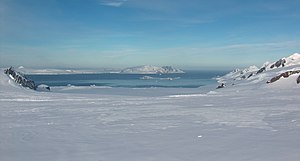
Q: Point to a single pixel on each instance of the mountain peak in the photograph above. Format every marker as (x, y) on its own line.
(293, 59)
(295, 56)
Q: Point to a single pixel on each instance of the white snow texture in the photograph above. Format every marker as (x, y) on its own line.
(248, 121)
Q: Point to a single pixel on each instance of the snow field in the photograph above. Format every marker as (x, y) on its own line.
(251, 121)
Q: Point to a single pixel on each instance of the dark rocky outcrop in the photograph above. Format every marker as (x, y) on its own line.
(298, 80)
(221, 86)
(261, 70)
(284, 75)
(274, 79)
(280, 62)
(20, 78)
(250, 75)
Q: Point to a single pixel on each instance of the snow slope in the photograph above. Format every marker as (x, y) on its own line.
(255, 75)
(291, 60)
(251, 121)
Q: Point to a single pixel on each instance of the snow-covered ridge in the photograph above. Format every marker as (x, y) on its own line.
(283, 68)
(291, 60)
(239, 74)
(149, 69)
(20, 79)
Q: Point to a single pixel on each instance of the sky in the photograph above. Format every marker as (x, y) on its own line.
(189, 34)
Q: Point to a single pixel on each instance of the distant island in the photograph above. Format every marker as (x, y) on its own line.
(149, 69)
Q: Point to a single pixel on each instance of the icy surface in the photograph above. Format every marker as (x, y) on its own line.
(251, 121)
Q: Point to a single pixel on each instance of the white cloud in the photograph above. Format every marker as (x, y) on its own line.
(112, 3)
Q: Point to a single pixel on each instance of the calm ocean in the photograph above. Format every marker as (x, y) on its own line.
(190, 79)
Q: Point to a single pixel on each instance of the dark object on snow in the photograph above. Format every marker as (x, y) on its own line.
(261, 70)
(250, 75)
(285, 75)
(221, 86)
(298, 80)
(20, 78)
(274, 79)
(280, 62)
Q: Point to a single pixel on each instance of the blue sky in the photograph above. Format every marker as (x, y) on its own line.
(190, 34)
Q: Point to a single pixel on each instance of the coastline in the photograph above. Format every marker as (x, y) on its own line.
(253, 122)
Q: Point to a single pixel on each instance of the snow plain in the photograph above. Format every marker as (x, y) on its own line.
(250, 121)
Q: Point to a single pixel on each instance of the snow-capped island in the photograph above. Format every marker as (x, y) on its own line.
(149, 69)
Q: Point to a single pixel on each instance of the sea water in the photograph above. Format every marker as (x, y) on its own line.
(189, 79)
